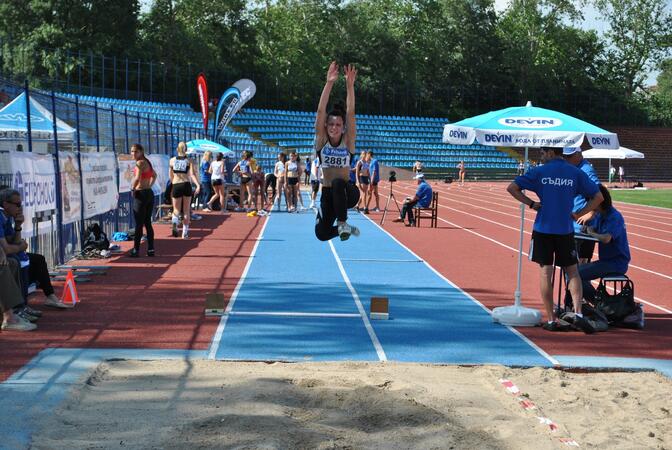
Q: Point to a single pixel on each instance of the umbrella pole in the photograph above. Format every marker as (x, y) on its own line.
(518, 315)
(516, 294)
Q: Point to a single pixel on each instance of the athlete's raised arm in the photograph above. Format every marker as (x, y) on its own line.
(351, 126)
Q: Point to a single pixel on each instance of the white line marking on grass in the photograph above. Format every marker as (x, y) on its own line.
(217, 338)
(291, 314)
(552, 360)
(360, 307)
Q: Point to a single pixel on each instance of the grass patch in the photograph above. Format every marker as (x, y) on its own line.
(654, 197)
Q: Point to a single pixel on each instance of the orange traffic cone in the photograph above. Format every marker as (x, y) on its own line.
(70, 296)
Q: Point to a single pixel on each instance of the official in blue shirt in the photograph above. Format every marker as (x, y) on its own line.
(422, 197)
(608, 228)
(573, 156)
(556, 183)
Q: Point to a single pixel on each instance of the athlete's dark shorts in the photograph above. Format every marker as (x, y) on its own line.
(217, 182)
(585, 248)
(181, 190)
(293, 181)
(364, 179)
(548, 249)
(374, 182)
(315, 186)
(245, 180)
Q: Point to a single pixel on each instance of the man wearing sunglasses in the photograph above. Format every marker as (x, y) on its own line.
(33, 265)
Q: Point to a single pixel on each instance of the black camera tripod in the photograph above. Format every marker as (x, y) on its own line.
(390, 196)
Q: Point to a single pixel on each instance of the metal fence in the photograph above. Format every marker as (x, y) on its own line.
(98, 130)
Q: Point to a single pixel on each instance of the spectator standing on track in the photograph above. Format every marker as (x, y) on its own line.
(612, 173)
(206, 180)
(315, 180)
(521, 168)
(621, 174)
(334, 145)
(374, 167)
(422, 197)
(608, 227)
(573, 156)
(417, 168)
(182, 173)
(10, 295)
(258, 191)
(244, 172)
(33, 266)
(363, 177)
(292, 170)
(281, 179)
(556, 183)
(462, 171)
(143, 200)
(217, 171)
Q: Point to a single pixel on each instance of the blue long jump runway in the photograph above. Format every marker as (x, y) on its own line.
(299, 301)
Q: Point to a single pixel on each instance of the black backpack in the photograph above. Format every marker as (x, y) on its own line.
(95, 238)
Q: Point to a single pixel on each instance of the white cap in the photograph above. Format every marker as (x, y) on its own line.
(419, 176)
(570, 150)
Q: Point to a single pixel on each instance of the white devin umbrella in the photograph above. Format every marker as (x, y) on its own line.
(525, 126)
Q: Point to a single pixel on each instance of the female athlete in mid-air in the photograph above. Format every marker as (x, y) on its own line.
(335, 134)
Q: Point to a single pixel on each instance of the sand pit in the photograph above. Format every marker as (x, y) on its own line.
(214, 404)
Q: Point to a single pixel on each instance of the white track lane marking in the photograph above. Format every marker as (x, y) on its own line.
(360, 307)
(466, 294)
(217, 338)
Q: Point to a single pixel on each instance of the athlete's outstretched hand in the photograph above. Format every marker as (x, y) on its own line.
(350, 75)
(332, 72)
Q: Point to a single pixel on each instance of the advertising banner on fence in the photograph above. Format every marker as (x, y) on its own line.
(160, 163)
(71, 192)
(126, 165)
(99, 183)
(35, 179)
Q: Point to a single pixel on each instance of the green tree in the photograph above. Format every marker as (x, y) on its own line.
(639, 37)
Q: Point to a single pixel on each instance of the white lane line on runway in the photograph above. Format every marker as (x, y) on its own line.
(291, 314)
(466, 294)
(217, 338)
(372, 334)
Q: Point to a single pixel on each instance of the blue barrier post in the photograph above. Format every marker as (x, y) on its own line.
(59, 199)
(28, 121)
(128, 145)
(139, 133)
(116, 172)
(95, 114)
(149, 134)
(81, 172)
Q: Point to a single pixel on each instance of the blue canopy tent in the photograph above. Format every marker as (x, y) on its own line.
(14, 123)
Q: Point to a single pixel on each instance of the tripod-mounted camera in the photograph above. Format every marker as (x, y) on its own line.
(392, 179)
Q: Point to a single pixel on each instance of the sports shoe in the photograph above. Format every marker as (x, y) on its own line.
(344, 231)
(26, 316)
(150, 252)
(375, 210)
(174, 230)
(207, 209)
(33, 312)
(398, 219)
(582, 324)
(55, 302)
(551, 326)
(19, 325)
(354, 231)
(134, 252)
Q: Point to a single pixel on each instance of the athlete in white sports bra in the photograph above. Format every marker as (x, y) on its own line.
(334, 146)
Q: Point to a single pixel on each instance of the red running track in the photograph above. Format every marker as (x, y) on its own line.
(149, 303)
(476, 247)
